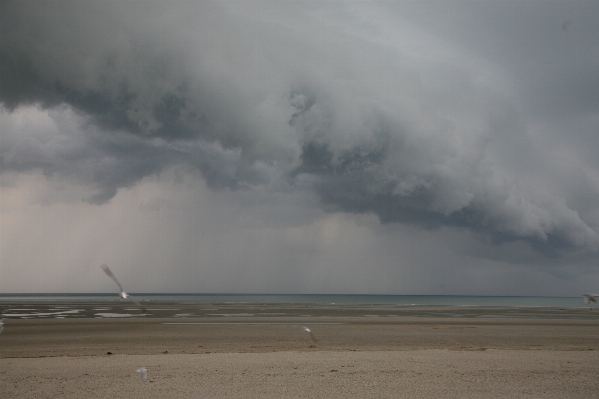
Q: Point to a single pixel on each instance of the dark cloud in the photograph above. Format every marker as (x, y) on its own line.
(425, 114)
(353, 183)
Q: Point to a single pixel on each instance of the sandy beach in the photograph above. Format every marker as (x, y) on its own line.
(359, 352)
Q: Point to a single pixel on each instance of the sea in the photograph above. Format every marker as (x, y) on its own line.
(313, 299)
(96, 305)
(59, 306)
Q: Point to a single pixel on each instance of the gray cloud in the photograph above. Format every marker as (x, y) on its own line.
(67, 146)
(433, 114)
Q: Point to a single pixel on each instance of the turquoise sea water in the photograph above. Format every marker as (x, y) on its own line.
(318, 299)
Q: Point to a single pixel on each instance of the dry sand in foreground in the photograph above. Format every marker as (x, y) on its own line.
(377, 374)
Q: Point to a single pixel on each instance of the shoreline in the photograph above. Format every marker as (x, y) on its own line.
(154, 335)
(37, 310)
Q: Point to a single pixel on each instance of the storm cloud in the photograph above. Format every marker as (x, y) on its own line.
(479, 117)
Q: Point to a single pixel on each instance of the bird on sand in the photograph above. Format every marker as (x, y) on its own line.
(1, 325)
(588, 298)
(144, 373)
(122, 292)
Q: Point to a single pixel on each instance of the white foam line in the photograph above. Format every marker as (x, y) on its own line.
(41, 314)
(269, 323)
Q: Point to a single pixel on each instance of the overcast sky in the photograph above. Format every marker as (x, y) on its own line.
(418, 147)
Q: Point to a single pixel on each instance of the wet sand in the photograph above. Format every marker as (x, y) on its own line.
(259, 352)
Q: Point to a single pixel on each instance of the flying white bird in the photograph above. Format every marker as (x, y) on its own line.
(122, 292)
(306, 329)
(588, 298)
(144, 373)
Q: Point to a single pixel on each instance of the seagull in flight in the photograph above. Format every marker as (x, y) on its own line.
(588, 298)
(144, 373)
(122, 292)
(306, 329)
